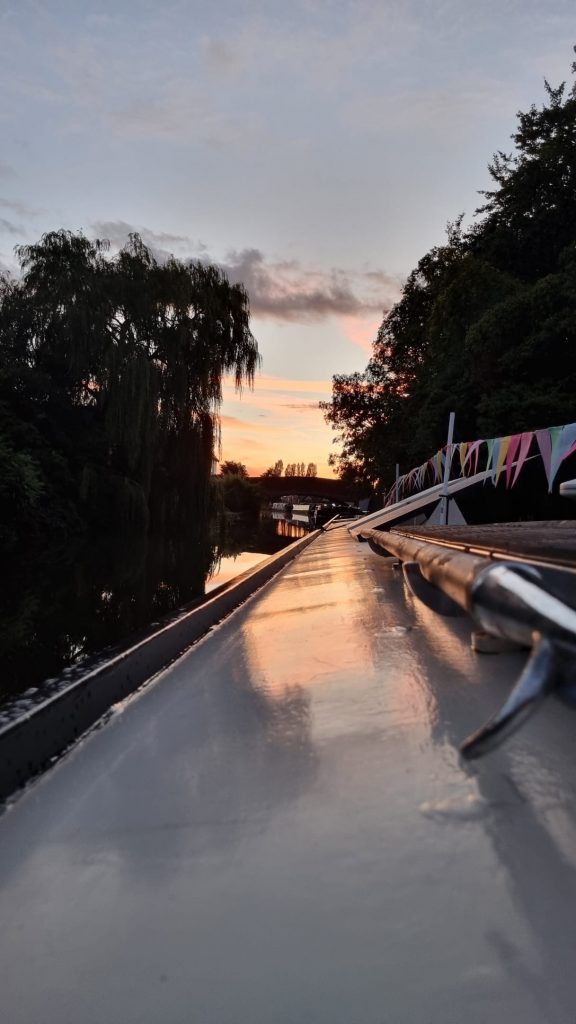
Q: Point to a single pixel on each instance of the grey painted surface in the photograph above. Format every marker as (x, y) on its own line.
(279, 831)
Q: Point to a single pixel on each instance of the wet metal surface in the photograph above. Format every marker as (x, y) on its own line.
(279, 831)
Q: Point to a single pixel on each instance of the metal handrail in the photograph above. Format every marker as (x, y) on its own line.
(515, 601)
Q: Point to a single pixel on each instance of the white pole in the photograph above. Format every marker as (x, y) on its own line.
(397, 479)
(445, 499)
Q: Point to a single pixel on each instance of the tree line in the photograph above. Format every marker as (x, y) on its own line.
(292, 469)
(486, 324)
(110, 383)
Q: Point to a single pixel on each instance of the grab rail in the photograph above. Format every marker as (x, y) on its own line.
(516, 601)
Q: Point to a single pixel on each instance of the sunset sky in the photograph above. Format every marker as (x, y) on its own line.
(314, 149)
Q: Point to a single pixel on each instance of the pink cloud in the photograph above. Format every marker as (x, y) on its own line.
(288, 291)
(236, 424)
(361, 331)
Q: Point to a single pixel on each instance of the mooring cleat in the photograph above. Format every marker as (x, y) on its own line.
(544, 674)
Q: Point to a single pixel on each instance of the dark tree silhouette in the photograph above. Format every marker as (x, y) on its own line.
(231, 468)
(110, 383)
(487, 322)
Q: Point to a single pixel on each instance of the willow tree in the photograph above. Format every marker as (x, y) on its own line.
(116, 364)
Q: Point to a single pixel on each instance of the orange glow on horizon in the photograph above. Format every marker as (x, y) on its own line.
(278, 419)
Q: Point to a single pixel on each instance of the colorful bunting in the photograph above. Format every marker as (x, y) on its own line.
(503, 454)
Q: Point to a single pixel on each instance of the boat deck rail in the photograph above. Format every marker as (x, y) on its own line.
(527, 600)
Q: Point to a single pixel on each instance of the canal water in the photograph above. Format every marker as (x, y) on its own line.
(60, 608)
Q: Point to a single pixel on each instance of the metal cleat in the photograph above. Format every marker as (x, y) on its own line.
(510, 601)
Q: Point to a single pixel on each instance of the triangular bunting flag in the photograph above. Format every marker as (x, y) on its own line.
(472, 455)
(544, 438)
(562, 445)
(462, 449)
(512, 449)
(502, 453)
(491, 446)
(525, 445)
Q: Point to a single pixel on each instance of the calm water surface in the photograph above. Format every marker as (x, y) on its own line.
(61, 607)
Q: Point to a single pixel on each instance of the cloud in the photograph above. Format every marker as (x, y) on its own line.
(436, 110)
(183, 110)
(17, 207)
(324, 45)
(281, 290)
(163, 243)
(237, 424)
(9, 228)
(221, 54)
(300, 405)
(251, 444)
(290, 291)
(361, 331)
(6, 170)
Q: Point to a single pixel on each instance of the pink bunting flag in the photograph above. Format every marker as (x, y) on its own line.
(512, 449)
(524, 448)
(546, 439)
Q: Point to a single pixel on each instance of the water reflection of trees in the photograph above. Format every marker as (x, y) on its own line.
(68, 604)
(65, 605)
(266, 535)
